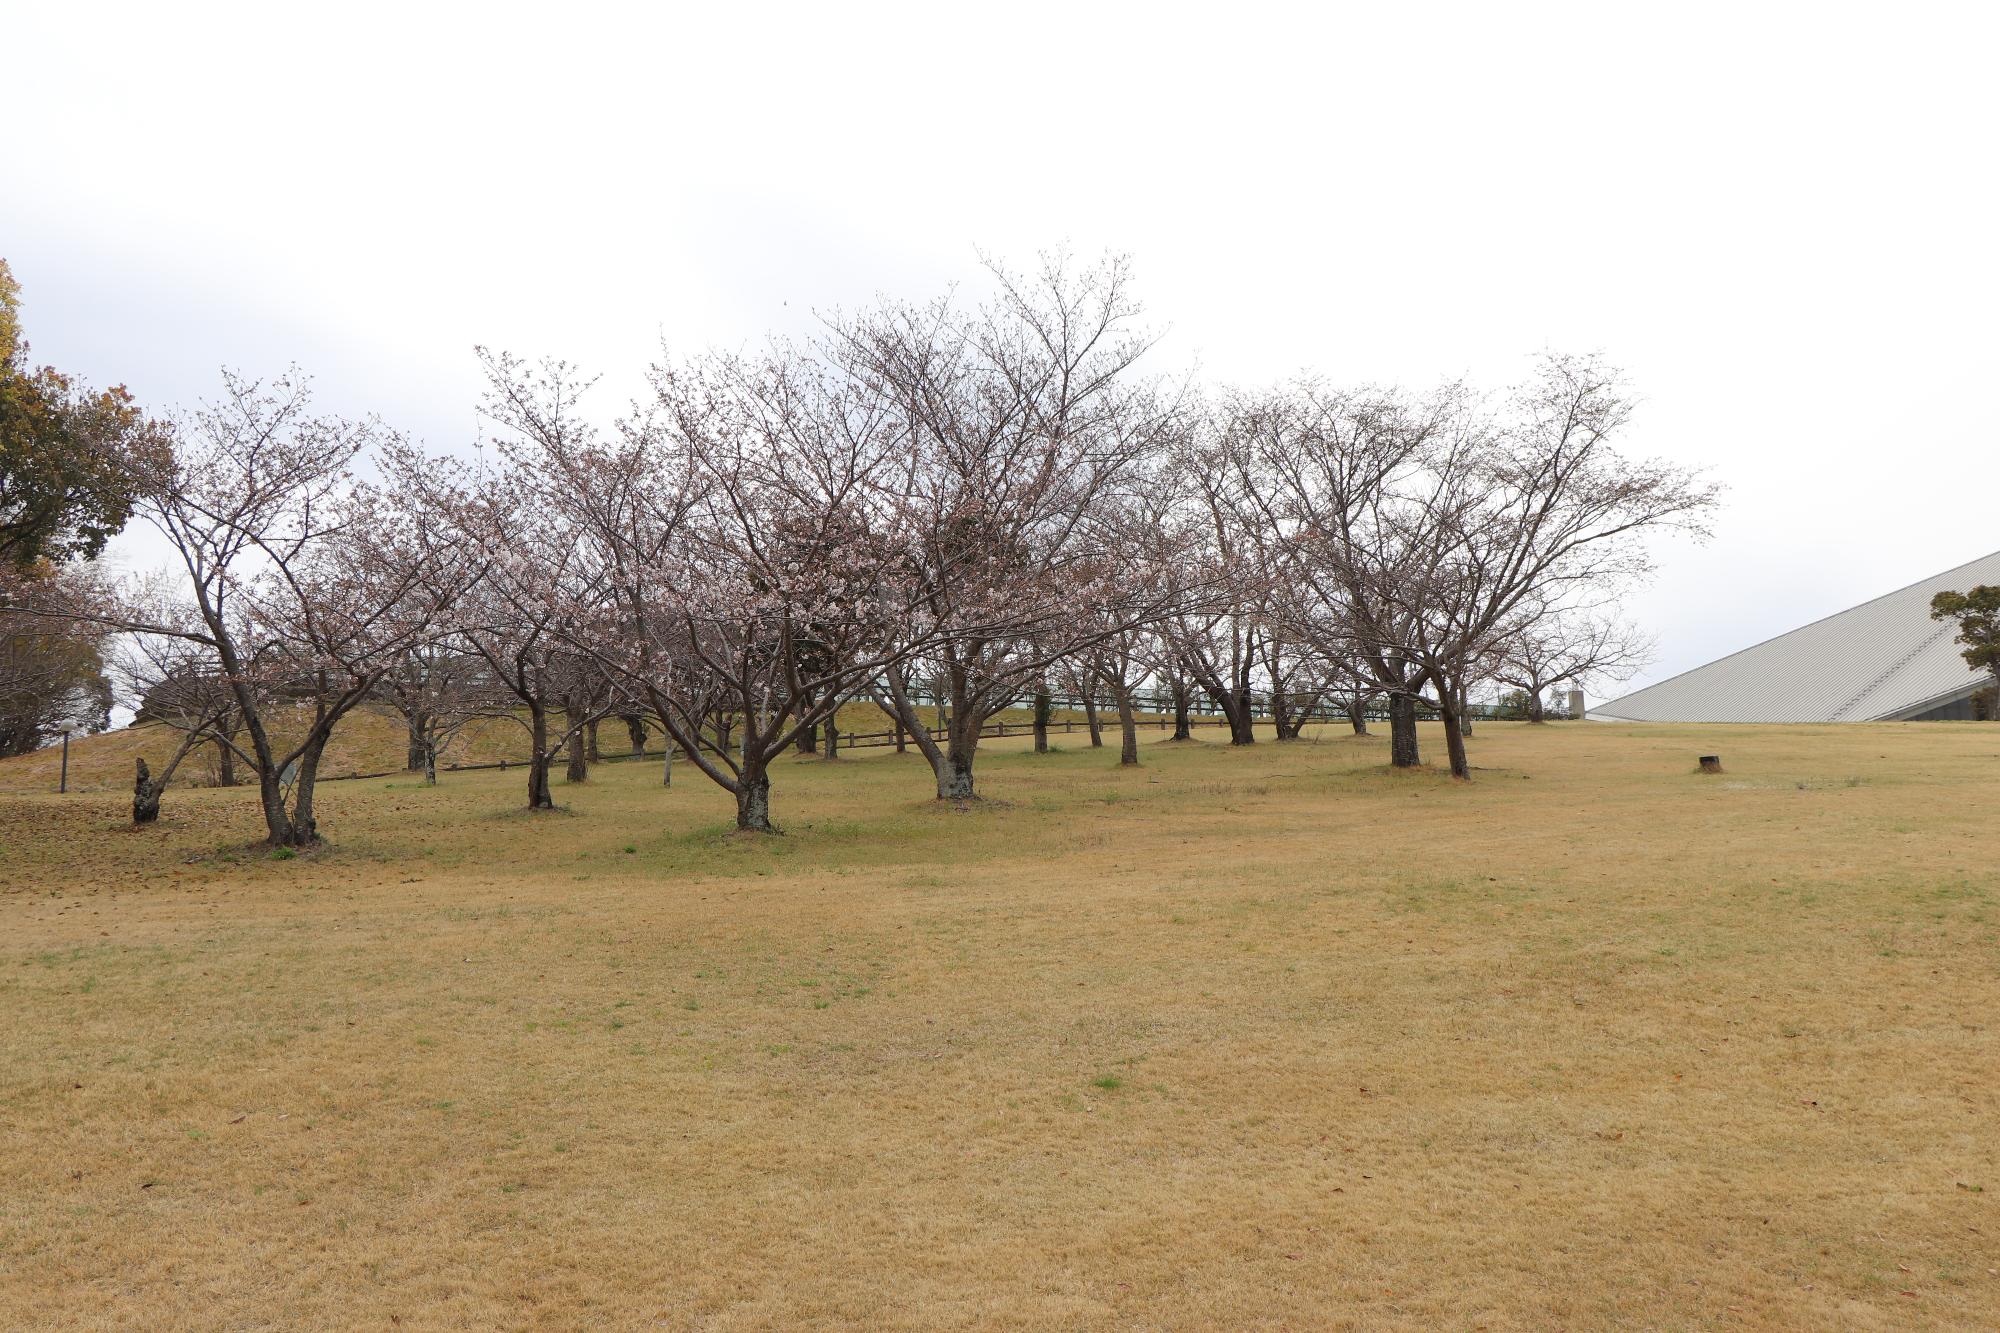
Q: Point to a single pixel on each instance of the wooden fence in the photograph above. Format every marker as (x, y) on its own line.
(868, 740)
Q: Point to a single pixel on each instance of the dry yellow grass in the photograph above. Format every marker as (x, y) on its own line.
(1244, 1038)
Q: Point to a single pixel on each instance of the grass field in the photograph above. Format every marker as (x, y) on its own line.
(1258, 1038)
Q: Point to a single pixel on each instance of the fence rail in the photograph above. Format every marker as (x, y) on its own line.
(871, 740)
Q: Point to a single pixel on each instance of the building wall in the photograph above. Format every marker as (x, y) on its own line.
(1975, 706)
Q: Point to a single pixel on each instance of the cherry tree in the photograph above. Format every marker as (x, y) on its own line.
(303, 584)
(1427, 536)
(1537, 514)
(437, 687)
(1020, 424)
(1567, 648)
(740, 530)
(523, 621)
(1218, 643)
(1314, 472)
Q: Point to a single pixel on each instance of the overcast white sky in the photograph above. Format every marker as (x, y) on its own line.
(1780, 219)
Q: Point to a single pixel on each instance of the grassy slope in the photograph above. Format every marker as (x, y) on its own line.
(1243, 1038)
(371, 741)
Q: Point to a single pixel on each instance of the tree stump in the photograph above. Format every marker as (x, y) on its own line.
(145, 797)
(1711, 763)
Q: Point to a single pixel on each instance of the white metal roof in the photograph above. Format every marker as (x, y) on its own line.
(1881, 660)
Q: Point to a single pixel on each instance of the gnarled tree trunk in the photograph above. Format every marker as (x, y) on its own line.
(145, 795)
(753, 799)
(954, 778)
(1243, 718)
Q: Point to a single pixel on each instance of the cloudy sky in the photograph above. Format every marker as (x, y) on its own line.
(1781, 220)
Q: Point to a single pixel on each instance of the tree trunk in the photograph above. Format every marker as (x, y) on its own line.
(1454, 740)
(832, 739)
(955, 782)
(419, 727)
(1281, 715)
(1183, 727)
(1128, 726)
(1234, 705)
(809, 740)
(145, 796)
(579, 766)
(591, 751)
(271, 796)
(667, 764)
(430, 764)
(1090, 720)
(1043, 707)
(954, 775)
(951, 762)
(303, 830)
(1403, 730)
(635, 727)
(902, 739)
(1537, 711)
(538, 760)
(1357, 715)
(1243, 717)
(753, 800)
(225, 764)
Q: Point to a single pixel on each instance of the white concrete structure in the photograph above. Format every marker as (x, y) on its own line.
(1884, 660)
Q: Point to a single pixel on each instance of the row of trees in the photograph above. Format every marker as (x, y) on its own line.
(977, 503)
